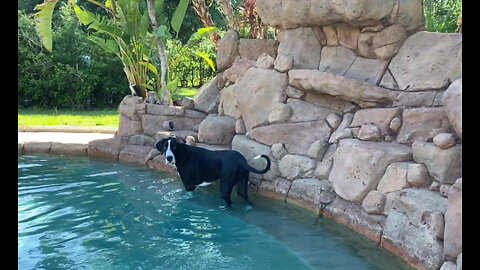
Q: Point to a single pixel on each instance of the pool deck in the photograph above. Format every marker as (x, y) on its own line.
(61, 137)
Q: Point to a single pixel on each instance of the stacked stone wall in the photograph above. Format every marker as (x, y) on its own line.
(358, 109)
(360, 113)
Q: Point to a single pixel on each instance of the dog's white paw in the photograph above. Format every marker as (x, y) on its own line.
(204, 184)
(248, 208)
(225, 207)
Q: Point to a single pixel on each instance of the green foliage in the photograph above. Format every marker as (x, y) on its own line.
(76, 70)
(127, 26)
(441, 15)
(190, 64)
(44, 17)
(179, 15)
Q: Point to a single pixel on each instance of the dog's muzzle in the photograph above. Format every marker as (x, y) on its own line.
(169, 160)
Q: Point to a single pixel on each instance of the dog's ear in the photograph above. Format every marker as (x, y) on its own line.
(181, 140)
(159, 145)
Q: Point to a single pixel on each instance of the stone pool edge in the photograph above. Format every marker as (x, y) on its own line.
(332, 211)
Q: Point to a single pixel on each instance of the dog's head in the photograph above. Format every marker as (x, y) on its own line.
(169, 148)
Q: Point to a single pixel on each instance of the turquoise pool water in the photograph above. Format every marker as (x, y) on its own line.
(77, 213)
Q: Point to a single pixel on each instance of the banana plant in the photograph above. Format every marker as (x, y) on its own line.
(126, 33)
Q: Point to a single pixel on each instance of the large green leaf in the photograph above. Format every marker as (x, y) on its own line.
(162, 31)
(179, 15)
(84, 16)
(144, 24)
(108, 45)
(150, 67)
(43, 19)
(205, 57)
(196, 37)
(173, 84)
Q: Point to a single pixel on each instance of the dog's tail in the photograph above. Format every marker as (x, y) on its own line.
(250, 168)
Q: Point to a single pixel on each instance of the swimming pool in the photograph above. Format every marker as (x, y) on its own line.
(80, 213)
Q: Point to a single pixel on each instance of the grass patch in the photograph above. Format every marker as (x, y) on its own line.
(52, 117)
(105, 117)
(184, 92)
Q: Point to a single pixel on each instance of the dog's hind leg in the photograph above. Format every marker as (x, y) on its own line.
(242, 191)
(225, 191)
(242, 188)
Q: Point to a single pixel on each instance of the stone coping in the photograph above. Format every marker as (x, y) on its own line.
(81, 149)
(61, 137)
(72, 129)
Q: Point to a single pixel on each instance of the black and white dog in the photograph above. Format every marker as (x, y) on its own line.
(196, 165)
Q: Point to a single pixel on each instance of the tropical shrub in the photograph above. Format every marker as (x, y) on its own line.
(75, 72)
(442, 15)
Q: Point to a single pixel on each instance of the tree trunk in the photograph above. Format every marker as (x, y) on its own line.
(166, 97)
(459, 23)
(203, 13)
(226, 8)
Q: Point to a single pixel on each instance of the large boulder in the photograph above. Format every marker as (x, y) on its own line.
(266, 88)
(418, 242)
(208, 96)
(135, 153)
(293, 13)
(302, 46)
(427, 60)
(381, 117)
(452, 103)
(128, 127)
(251, 149)
(422, 124)
(354, 216)
(328, 101)
(128, 107)
(367, 70)
(416, 203)
(228, 49)
(395, 177)
(415, 99)
(297, 137)
(453, 221)
(309, 191)
(305, 111)
(444, 165)
(305, 166)
(106, 148)
(253, 48)
(217, 130)
(141, 139)
(383, 44)
(366, 95)
(336, 59)
(359, 165)
(238, 69)
(374, 202)
(280, 113)
(228, 104)
(409, 225)
(347, 35)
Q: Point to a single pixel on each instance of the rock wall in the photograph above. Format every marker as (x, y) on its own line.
(359, 110)
(360, 113)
